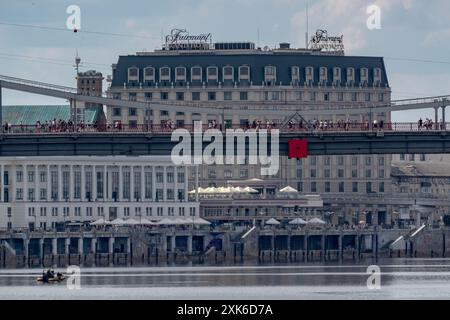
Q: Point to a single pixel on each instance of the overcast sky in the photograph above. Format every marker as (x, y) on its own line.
(410, 30)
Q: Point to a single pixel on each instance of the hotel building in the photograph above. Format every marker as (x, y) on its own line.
(240, 77)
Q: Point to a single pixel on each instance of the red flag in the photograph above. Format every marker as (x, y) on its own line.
(298, 149)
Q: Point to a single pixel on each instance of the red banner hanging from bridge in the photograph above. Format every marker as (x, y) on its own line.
(298, 149)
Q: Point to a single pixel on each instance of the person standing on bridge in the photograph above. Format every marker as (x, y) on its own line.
(420, 124)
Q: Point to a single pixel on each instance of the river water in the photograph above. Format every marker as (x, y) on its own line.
(400, 279)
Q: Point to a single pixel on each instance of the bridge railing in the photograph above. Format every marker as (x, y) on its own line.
(38, 84)
(167, 128)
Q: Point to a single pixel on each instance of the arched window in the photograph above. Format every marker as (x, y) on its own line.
(270, 73)
(350, 75)
(336, 74)
(164, 74)
(309, 74)
(227, 73)
(244, 73)
(133, 74)
(149, 74)
(323, 74)
(295, 74)
(211, 73)
(180, 74)
(196, 73)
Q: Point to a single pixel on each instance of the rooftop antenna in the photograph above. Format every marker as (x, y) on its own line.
(77, 63)
(307, 25)
(257, 32)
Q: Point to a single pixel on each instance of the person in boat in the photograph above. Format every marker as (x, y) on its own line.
(50, 273)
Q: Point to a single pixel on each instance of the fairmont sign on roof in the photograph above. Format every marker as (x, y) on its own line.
(181, 35)
(322, 41)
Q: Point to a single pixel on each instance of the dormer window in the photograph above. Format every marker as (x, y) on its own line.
(377, 75)
(270, 73)
(164, 74)
(149, 74)
(133, 74)
(196, 73)
(350, 75)
(336, 74)
(180, 74)
(295, 74)
(309, 74)
(364, 75)
(211, 73)
(244, 73)
(228, 73)
(323, 74)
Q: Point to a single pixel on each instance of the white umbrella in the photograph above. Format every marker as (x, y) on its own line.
(288, 189)
(201, 221)
(118, 222)
(147, 222)
(131, 222)
(316, 221)
(165, 221)
(250, 190)
(298, 221)
(272, 221)
(99, 222)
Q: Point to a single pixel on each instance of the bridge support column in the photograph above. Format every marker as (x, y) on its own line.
(436, 118)
(444, 127)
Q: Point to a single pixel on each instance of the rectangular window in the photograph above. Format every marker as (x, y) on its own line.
(195, 96)
(341, 187)
(227, 95)
(116, 112)
(243, 95)
(354, 96)
(327, 186)
(132, 96)
(211, 96)
(300, 186)
(313, 187)
(180, 96)
(354, 186)
(164, 95)
(381, 187)
(132, 112)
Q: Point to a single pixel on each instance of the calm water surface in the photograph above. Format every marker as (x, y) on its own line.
(400, 279)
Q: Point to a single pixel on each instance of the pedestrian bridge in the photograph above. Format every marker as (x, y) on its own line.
(159, 143)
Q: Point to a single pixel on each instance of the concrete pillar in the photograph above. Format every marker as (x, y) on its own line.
(41, 247)
(172, 243)
(111, 245)
(54, 246)
(322, 245)
(66, 245)
(128, 245)
(80, 246)
(443, 118)
(26, 243)
(93, 245)
(436, 118)
(189, 244)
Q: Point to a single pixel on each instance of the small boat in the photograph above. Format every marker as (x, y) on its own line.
(56, 279)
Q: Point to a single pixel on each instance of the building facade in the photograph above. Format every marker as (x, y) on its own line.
(256, 80)
(41, 192)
